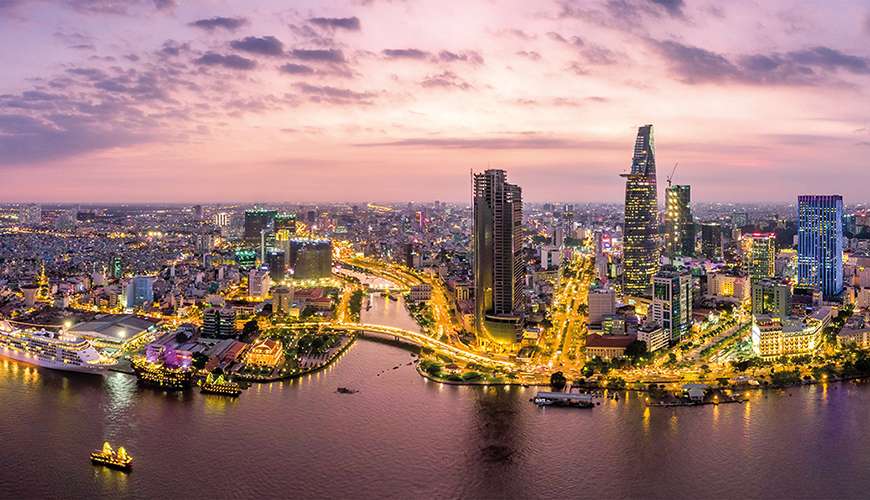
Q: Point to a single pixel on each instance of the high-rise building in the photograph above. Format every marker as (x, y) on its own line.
(219, 323)
(259, 283)
(276, 262)
(140, 291)
(679, 225)
(222, 219)
(640, 230)
(711, 240)
(672, 302)
(820, 243)
(282, 300)
(258, 222)
(601, 303)
(311, 259)
(497, 243)
(771, 297)
(761, 255)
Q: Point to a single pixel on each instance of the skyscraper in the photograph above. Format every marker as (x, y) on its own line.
(640, 231)
(820, 243)
(761, 258)
(497, 243)
(140, 291)
(679, 225)
(711, 240)
(257, 222)
(771, 297)
(672, 302)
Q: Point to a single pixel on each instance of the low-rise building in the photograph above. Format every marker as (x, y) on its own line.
(773, 336)
(116, 330)
(654, 336)
(421, 292)
(266, 352)
(607, 347)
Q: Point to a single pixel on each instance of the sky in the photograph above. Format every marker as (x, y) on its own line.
(390, 100)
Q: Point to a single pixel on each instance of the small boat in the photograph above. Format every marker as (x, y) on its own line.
(113, 459)
(219, 385)
(345, 390)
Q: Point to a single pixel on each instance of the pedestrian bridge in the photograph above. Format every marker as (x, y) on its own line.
(416, 338)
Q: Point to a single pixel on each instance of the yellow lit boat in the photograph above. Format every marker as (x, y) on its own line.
(115, 459)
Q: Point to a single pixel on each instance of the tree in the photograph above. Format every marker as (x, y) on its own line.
(636, 349)
(558, 380)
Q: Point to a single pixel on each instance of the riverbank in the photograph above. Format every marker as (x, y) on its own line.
(346, 343)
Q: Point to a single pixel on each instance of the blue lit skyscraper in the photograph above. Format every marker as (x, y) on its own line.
(820, 243)
(140, 291)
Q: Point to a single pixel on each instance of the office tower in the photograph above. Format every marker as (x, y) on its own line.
(672, 302)
(679, 225)
(275, 261)
(259, 283)
(771, 297)
(285, 221)
(222, 219)
(311, 259)
(116, 267)
(246, 259)
(198, 213)
(219, 323)
(820, 243)
(711, 240)
(497, 244)
(258, 222)
(282, 300)
(640, 231)
(410, 255)
(601, 303)
(761, 255)
(140, 291)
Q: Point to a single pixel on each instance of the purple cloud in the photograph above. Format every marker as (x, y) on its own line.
(296, 69)
(405, 53)
(320, 55)
(262, 45)
(445, 80)
(229, 61)
(345, 23)
(215, 23)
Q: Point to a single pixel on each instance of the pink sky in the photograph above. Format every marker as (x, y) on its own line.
(203, 101)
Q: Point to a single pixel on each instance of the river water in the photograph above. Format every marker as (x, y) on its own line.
(402, 436)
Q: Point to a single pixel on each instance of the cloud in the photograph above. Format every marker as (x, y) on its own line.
(445, 80)
(262, 45)
(230, 61)
(296, 69)
(591, 53)
(218, 22)
(172, 48)
(25, 140)
(803, 67)
(333, 95)
(529, 54)
(405, 53)
(318, 55)
(674, 8)
(867, 23)
(333, 23)
(469, 56)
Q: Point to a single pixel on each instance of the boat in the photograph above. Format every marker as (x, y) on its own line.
(345, 390)
(566, 399)
(219, 385)
(161, 376)
(54, 350)
(113, 459)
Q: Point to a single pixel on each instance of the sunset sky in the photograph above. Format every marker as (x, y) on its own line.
(255, 100)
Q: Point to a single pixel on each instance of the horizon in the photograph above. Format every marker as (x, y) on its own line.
(335, 101)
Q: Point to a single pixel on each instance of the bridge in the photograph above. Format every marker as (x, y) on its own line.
(415, 338)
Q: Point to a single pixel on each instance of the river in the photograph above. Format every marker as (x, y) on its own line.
(402, 436)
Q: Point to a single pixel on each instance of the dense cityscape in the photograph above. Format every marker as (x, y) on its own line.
(401, 249)
(701, 298)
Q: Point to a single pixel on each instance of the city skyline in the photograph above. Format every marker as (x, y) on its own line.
(338, 102)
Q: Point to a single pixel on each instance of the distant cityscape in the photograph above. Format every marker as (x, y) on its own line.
(583, 296)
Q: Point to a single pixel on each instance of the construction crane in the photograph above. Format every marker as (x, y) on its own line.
(672, 173)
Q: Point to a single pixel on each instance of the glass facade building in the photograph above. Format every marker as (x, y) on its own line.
(640, 230)
(820, 243)
(497, 241)
(679, 225)
(672, 302)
